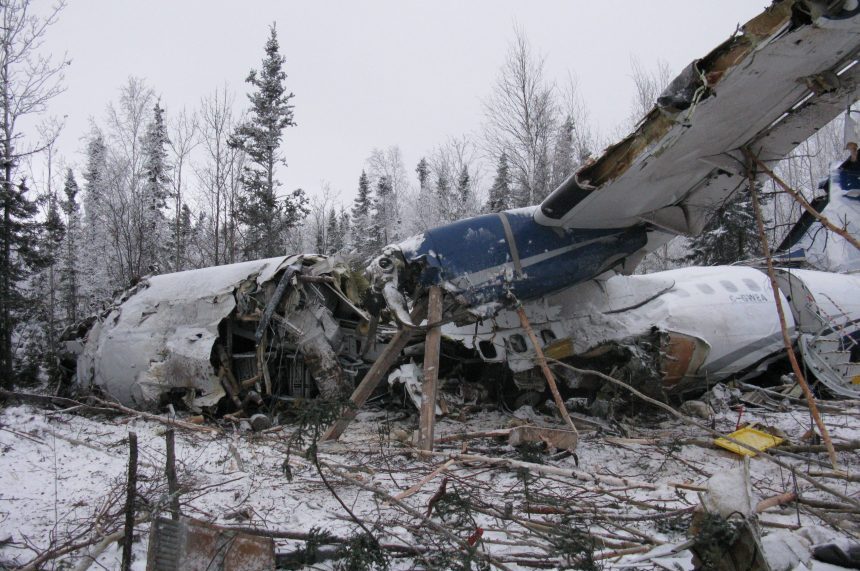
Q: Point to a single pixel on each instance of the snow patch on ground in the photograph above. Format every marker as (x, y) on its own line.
(60, 471)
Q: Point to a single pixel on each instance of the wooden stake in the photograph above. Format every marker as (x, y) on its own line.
(130, 492)
(170, 472)
(370, 381)
(786, 339)
(429, 387)
(547, 373)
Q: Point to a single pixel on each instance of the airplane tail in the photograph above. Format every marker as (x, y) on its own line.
(809, 244)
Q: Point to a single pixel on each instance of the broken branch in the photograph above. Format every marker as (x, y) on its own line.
(795, 366)
(547, 373)
(802, 201)
(442, 530)
(406, 493)
(714, 433)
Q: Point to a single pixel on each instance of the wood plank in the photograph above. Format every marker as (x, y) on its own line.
(370, 381)
(429, 387)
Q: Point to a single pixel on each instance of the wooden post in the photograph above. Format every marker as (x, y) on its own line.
(370, 381)
(130, 492)
(547, 373)
(795, 366)
(170, 472)
(429, 387)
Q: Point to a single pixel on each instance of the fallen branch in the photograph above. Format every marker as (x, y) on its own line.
(329, 539)
(458, 436)
(406, 493)
(849, 446)
(58, 552)
(774, 501)
(91, 556)
(442, 530)
(104, 406)
(837, 475)
(157, 418)
(712, 432)
(544, 469)
(619, 552)
(547, 373)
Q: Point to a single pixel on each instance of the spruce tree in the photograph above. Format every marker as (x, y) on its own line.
(382, 214)
(94, 189)
(500, 193)
(20, 257)
(730, 236)
(334, 240)
(54, 231)
(156, 191)
(463, 185)
(267, 217)
(563, 161)
(423, 171)
(362, 240)
(443, 186)
(70, 257)
(179, 248)
(343, 228)
(97, 283)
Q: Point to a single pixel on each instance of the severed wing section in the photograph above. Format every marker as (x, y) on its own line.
(785, 74)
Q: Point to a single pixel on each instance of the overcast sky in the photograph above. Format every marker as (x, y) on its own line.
(371, 73)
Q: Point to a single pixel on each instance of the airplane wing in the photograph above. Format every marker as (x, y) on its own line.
(786, 73)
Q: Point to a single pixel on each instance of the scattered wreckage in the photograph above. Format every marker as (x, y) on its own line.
(279, 327)
(235, 337)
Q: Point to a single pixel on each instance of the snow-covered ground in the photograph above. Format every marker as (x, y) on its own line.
(62, 478)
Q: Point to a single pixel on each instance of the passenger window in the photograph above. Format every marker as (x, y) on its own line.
(730, 287)
(547, 336)
(517, 343)
(751, 285)
(487, 349)
(705, 288)
(681, 292)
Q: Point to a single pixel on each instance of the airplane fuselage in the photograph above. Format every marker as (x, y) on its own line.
(485, 258)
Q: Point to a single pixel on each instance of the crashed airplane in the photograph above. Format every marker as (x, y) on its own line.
(238, 336)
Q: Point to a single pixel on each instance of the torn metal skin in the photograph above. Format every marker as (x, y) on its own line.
(226, 331)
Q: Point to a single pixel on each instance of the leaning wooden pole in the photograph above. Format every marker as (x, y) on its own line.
(429, 387)
(547, 372)
(130, 493)
(786, 339)
(370, 381)
(170, 472)
(803, 202)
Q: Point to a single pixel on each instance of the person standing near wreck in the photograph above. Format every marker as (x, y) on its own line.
(852, 163)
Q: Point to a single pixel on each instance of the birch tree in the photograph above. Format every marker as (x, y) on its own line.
(520, 120)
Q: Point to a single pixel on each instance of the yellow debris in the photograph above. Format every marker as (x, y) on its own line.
(750, 436)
